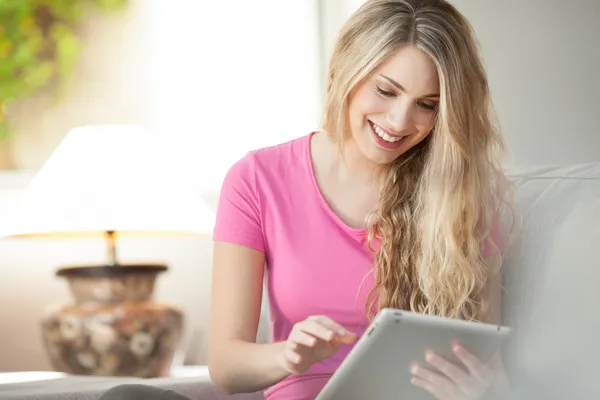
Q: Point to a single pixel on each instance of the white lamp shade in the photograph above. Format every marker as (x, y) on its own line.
(112, 178)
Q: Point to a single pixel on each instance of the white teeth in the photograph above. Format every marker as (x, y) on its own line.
(384, 135)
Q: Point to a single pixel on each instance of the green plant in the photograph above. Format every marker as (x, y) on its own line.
(39, 46)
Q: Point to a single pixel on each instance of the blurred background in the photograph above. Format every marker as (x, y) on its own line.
(213, 80)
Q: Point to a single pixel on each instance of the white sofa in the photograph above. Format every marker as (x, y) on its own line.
(551, 282)
(552, 279)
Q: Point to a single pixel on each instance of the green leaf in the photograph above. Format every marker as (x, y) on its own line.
(5, 130)
(13, 6)
(110, 5)
(67, 48)
(68, 10)
(29, 60)
(36, 77)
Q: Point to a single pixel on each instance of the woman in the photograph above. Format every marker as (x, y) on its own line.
(392, 204)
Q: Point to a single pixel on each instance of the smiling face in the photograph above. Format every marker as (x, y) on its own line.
(394, 108)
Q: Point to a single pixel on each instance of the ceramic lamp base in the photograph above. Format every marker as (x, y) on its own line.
(114, 327)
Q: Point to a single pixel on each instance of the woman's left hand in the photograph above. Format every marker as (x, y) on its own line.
(471, 381)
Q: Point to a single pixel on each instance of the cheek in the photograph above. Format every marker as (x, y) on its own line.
(367, 102)
(424, 121)
(374, 103)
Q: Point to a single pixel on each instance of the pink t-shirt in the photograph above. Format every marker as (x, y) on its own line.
(316, 264)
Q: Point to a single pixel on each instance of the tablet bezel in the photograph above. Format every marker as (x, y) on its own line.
(482, 339)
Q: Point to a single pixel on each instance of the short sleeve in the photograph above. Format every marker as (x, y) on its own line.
(238, 214)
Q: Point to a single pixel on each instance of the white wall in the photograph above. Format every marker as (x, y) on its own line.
(543, 60)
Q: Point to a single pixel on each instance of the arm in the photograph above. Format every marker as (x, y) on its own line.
(236, 363)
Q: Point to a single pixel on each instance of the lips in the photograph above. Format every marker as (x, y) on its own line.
(384, 139)
(384, 135)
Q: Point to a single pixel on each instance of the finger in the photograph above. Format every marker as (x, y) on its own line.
(302, 338)
(292, 357)
(464, 382)
(496, 362)
(339, 330)
(316, 329)
(474, 366)
(342, 334)
(329, 323)
(433, 378)
(451, 370)
(434, 390)
(348, 338)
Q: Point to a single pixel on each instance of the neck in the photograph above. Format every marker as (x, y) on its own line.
(347, 166)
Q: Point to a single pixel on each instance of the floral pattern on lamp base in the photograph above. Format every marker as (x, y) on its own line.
(114, 327)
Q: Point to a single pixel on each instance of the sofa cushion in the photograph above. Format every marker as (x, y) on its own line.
(552, 278)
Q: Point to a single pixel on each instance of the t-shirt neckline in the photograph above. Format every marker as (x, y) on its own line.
(361, 232)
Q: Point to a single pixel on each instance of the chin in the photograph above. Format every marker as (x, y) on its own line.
(382, 159)
(379, 156)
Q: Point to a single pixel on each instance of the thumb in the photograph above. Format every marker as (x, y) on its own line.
(496, 361)
(348, 338)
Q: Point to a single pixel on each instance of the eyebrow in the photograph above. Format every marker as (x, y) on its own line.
(399, 86)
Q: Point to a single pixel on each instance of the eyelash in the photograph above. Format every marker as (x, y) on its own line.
(384, 93)
(424, 106)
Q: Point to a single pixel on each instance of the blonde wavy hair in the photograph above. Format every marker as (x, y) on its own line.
(441, 199)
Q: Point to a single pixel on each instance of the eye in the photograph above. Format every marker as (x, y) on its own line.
(384, 93)
(426, 106)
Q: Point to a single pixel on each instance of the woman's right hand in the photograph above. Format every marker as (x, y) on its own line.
(312, 340)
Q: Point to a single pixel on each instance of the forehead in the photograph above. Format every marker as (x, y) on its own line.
(413, 69)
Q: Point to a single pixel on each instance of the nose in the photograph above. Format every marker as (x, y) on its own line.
(400, 118)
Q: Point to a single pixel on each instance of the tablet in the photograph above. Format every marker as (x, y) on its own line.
(378, 367)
